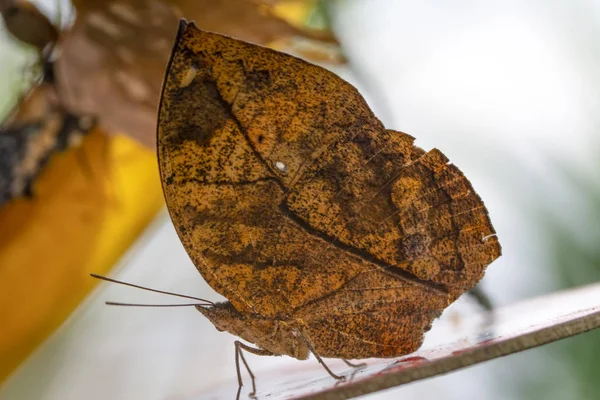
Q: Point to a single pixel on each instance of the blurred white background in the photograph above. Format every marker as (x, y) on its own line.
(509, 91)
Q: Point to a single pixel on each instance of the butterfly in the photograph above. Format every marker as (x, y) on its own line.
(327, 233)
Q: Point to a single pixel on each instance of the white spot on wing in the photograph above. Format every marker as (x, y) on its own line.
(189, 76)
(280, 166)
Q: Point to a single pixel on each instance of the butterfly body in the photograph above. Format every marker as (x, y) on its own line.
(279, 337)
(326, 232)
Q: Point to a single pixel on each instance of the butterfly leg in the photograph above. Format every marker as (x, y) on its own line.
(319, 359)
(239, 346)
(481, 297)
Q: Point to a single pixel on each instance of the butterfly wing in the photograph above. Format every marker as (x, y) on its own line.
(267, 161)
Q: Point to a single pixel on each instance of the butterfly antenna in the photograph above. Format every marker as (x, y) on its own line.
(104, 278)
(114, 303)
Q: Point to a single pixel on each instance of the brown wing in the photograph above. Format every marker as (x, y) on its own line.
(113, 58)
(407, 210)
(267, 161)
(373, 315)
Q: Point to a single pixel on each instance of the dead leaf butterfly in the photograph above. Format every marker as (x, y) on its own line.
(327, 233)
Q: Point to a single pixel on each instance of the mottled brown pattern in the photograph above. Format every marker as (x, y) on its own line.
(297, 205)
